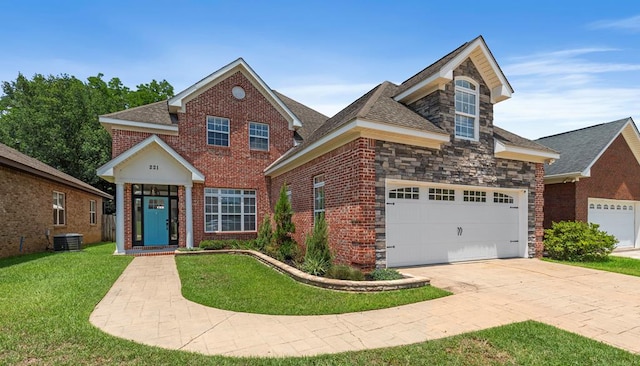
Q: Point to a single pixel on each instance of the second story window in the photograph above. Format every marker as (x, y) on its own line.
(466, 109)
(258, 136)
(217, 131)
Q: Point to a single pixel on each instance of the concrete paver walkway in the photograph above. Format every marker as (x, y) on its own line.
(145, 305)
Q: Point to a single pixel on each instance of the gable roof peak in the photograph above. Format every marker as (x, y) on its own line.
(437, 75)
(178, 102)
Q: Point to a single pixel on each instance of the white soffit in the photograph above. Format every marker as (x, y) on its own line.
(505, 151)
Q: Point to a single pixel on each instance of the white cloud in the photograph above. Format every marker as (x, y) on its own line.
(631, 24)
(565, 90)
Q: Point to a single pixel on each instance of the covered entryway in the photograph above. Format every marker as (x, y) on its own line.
(433, 223)
(617, 218)
(154, 171)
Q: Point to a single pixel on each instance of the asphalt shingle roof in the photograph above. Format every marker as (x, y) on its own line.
(310, 118)
(14, 158)
(156, 113)
(579, 148)
(511, 138)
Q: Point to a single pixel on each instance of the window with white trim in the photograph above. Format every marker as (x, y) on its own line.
(92, 212)
(217, 131)
(229, 210)
(258, 136)
(318, 197)
(58, 208)
(466, 103)
(502, 198)
(441, 194)
(405, 193)
(289, 194)
(474, 196)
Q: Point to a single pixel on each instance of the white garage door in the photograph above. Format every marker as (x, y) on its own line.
(616, 218)
(436, 224)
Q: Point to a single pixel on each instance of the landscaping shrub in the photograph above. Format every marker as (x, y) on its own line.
(385, 274)
(212, 244)
(578, 241)
(265, 234)
(318, 255)
(284, 245)
(344, 272)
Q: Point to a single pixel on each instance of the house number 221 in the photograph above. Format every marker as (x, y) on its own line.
(154, 167)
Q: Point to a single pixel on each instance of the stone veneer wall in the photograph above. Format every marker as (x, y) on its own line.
(451, 165)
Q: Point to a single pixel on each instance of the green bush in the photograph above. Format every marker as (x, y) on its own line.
(344, 272)
(385, 274)
(315, 266)
(213, 244)
(578, 241)
(318, 253)
(265, 234)
(283, 242)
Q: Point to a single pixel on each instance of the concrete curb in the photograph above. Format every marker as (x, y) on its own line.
(328, 283)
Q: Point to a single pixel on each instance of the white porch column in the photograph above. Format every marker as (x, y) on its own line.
(119, 218)
(189, 216)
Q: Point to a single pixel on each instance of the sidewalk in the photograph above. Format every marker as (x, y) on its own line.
(145, 305)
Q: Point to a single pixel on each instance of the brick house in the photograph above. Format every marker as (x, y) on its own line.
(38, 202)
(407, 174)
(597, 179)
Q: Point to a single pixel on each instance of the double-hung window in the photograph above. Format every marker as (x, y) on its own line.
(58, 208)
(229, 210)
(466, 100)
(217, 131)
(318, 197)
(258, 136)
(92, 212)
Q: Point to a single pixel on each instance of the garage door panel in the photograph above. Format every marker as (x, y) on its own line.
(423, 231)
(614, 220)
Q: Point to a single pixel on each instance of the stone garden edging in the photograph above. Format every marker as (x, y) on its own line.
(328, 283)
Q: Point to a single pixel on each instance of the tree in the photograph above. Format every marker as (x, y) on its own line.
(283, 214)
(55, 119)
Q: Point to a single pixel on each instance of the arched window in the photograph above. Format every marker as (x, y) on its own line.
(466, 96)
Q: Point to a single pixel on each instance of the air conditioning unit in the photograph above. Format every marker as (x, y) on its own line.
(65, 242)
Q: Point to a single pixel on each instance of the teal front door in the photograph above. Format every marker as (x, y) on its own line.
(156, 221)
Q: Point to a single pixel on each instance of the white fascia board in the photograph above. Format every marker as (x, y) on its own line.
(351, 131)
(502, 150)
(440, 78)
(106, 171)
(134, 125)
(498, 93)
(178, 100)
(564, 178)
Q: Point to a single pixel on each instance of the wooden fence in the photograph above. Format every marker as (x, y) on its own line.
(108, 227)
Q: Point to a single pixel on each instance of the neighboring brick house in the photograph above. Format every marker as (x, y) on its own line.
(407, 174)
(597, 179)
(38, 202)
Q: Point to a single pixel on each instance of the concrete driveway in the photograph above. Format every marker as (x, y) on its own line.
(145, 305)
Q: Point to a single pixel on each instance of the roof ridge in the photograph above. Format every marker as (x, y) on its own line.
(438, 60)
(138, 107)
(584, 128)
(372, 99)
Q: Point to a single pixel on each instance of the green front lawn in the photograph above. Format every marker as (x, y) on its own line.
(628, 266)
(46, 299)
(242, 283)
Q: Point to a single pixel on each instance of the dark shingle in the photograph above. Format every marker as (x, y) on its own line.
(579, 148)
(310, 118)
(156, 113)
(14, 158)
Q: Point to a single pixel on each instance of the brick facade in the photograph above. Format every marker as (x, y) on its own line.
(235, 166)
(27, 213)
(615, 175)
(349, 176)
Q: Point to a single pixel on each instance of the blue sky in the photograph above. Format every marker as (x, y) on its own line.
(572, 63)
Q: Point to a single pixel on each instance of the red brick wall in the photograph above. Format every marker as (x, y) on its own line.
(349, 175)
(26, 211)
(235, 166)
(559, 203)
(615, 175)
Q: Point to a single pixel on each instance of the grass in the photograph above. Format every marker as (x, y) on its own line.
(46, 299)
(628, 266)
(242, 283)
